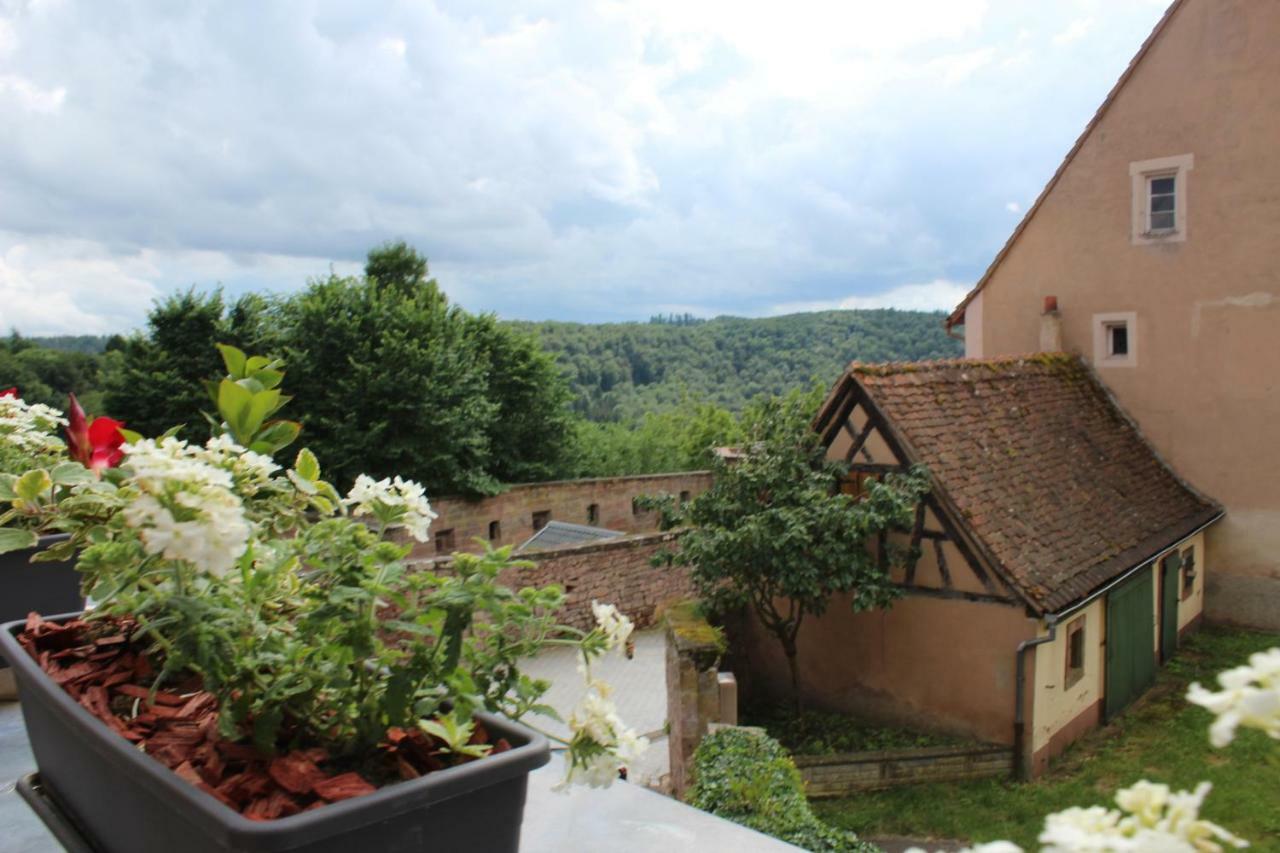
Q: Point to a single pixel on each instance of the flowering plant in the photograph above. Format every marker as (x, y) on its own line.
(293, 609)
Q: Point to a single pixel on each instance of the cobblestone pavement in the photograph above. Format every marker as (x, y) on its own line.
(640, 691)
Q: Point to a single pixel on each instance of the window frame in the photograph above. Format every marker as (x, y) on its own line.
(1189, 573)
(495, 530)
(593, 513)
(539, 515)
(1142, 175)
(445, 541)
(1072, 675)
(1103, 324)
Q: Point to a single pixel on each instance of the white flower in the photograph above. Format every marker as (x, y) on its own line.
(394, 503)
(1250, 697)
(600, 742)
(249, 469)
(1152, 819)
(30, 427)
(185, 509)
(617, 628)
(989, 847)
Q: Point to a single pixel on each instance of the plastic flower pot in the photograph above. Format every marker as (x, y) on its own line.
(126, 802)
(43, 587)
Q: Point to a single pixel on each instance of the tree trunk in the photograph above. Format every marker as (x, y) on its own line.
(789, 646)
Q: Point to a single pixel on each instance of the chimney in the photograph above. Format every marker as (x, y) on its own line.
(1050, 326)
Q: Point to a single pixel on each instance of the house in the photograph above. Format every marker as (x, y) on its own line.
(1155, 246)
(1060, 557)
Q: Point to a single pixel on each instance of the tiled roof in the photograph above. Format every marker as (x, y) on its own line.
(555, 534)
(1048, 473)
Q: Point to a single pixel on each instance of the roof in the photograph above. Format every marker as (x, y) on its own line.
(1036, 459)
(555, 534)
(956, 317)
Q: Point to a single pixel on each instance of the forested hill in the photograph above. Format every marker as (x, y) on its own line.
(619, 371)
(622, 370)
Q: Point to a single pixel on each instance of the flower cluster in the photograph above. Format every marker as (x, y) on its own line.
(29, 428)
(394, 503)
(186, 509)
(250, 472)
(1250, 697)
(1151, 819)
(615, 626)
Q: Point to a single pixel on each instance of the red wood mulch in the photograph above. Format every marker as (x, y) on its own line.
(102, 670)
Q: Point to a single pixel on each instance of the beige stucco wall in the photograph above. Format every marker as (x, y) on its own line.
(1056, 704)
(945, 665)
(1205, 386)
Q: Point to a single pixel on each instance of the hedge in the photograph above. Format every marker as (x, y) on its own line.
(747, 777)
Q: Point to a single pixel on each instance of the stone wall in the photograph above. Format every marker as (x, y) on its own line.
(848, 773)
(694, 694)
(615, 571)
(462, 521)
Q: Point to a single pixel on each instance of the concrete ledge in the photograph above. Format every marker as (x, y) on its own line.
(847, 773)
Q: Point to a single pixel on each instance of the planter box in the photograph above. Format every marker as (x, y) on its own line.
(43, 587)
(125, 802)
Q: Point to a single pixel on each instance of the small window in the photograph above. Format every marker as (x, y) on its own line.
(1188, 572)
(1117, 339)
(593, 514)
(1075, 652)
(444, 541)
(684, 498)
(540, 518)
(495, 531)
(856, 483)
(1161, 203)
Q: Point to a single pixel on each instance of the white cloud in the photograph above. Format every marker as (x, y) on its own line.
(1013, 207)
(1077, 30)
(553, 160)
(937, 295)
(30, 96)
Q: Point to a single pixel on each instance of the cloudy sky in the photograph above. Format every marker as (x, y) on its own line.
(568, 160)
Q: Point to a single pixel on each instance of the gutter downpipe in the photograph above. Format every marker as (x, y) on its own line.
(1019, 716)
(1052, 619)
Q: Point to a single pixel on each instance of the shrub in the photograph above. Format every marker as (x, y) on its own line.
(747, 777)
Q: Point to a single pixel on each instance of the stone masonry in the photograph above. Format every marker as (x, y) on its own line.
(616, 571)
(599, 502)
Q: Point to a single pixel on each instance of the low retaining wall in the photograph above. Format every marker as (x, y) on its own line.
(850, 772)
(614, 571)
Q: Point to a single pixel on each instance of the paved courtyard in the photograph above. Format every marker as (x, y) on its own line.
(639, 691)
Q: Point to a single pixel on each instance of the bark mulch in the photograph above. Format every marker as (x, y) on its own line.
(100, 668)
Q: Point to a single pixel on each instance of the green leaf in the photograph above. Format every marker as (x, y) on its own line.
(233, 358)
(7, 483)
(130, 437)
(16, 540)
(61, 552)
(233, 404)
(267, 377)
(275, 435)
(70, 473)
(262, 404)
(307, 466)
(171, 432)
(33, 485)
(255, 364)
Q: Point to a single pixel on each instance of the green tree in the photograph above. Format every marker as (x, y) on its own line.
(160, 378)
(774, 532)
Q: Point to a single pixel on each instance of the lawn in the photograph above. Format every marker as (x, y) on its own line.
(1161, 738)
(822, 733)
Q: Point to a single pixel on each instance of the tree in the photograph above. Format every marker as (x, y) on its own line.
(160, 379)
(775, 534)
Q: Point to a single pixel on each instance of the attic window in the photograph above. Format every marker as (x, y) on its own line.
(1159, 189)
(1075, 652)
(593, 514)
(1117, 339)
(1161, 203)
(495, 531)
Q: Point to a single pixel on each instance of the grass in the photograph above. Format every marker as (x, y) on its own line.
(1162, 738)
(822, 733)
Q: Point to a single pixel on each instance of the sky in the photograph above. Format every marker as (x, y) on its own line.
(592, 161)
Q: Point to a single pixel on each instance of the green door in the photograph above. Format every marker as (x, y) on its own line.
(1131, 656)
(1170, 574)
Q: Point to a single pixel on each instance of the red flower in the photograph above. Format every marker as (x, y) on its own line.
(94, 445)
(10, 392)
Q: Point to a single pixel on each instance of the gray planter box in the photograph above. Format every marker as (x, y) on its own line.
(123, 801)
(43, 587)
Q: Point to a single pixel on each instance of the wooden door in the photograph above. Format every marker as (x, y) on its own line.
(1131, 657)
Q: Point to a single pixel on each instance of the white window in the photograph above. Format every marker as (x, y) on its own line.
(1115, 340)
(1160, 199)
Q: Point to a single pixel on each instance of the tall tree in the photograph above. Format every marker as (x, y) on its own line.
(775, 534)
